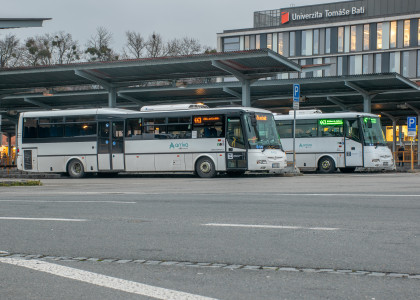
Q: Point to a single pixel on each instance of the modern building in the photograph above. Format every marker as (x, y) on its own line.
(355, 37)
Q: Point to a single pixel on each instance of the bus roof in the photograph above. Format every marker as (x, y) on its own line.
(316, 116)
(118, 111)
(72, 112)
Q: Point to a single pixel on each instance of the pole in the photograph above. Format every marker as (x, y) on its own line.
(412, 154)
(294, 139)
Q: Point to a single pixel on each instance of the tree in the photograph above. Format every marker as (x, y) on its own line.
(135, 45)
(155, 46)
(38, 51)
(9, 51)
(65, 48)
(99, 46)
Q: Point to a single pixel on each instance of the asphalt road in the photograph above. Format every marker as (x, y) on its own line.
(315, 236)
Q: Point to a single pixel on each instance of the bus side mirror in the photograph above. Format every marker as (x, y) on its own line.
(253, 120)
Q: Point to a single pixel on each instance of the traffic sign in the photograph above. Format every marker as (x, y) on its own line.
(411, 126)
(296, 96)
(296, 92)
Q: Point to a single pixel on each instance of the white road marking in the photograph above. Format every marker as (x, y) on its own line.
(271, 226)
(103, 280)
(348, 195)
(43, 219)
(69, 201)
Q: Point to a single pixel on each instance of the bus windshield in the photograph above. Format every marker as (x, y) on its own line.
(372, 132)
(261, 131)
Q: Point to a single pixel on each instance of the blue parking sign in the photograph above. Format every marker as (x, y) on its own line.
(296, 92)
(411, 123)
(411, 126)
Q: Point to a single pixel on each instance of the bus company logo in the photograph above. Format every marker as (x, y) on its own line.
(305, 146)
(179, 146)
(284, 17)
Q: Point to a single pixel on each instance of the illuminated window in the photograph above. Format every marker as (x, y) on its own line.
(418, 34)
(257, 41)
(353, 38)
(406, 33)
(366, 36)
(393, 35)
(280, 43)
(270, 41)
(340, 39)
(379, 36)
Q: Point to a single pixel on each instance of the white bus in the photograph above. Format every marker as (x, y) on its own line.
(326, 141)
(108, 140)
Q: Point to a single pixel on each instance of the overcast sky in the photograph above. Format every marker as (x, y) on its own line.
(200, 19)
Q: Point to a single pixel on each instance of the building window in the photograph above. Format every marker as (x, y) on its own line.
(378, 63)
(257, 41)
(366, 36)
(352, 65)
(252, 42)
(406, 33)
(303, 42)
(405, 63)
(418, 63)
(340, 66)
(316, 41)
(394, 59)
(353, 38)
(393, 35)
(317, 61)
(270, 41)
(280, 43)
(327, 71)
(292, 43)
(231, 44)
(328, 40)
(379, 36)
(247, 43)
(340, 39)
(418, 34)
(365, 64)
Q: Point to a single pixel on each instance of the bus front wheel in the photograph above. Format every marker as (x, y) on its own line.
(75, 169)
(205, 168)
(326, 165)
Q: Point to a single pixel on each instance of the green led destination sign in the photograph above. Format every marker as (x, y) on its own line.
(331, 122)
(372, 120)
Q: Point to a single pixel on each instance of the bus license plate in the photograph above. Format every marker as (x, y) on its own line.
(385, 163)
(276, 165)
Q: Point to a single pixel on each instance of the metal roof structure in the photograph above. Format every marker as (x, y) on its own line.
(126, 84)
(9, 23)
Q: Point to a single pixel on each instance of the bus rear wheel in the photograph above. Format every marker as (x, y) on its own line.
(326, 165)
(75, 169)
(205, 168)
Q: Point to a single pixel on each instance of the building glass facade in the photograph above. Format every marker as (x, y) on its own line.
(371, 37)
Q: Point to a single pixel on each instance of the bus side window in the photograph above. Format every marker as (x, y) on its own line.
(352, 129)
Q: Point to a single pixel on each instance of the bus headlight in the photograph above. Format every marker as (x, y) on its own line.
(261, 162)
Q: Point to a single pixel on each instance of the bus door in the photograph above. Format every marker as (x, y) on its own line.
(236, 154)
(111, 145)
(353, 144)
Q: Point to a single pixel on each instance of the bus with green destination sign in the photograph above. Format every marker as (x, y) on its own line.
(327, 141)
(165, 138)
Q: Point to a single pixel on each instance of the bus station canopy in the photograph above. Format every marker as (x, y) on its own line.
(161, 81)
(8, 23)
